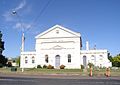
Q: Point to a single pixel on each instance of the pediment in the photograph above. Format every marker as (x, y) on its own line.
(58, 31)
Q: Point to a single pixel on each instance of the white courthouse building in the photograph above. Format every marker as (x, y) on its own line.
(61, 46)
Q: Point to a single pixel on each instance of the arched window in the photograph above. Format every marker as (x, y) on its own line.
(46, 59)
(85, 61)
(26, 59)
(69, 58)
(33, 59)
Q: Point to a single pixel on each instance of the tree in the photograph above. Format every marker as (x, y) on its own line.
(116, 61)
(110, 57)
(18, 60)
(1, 43)
(3, 60)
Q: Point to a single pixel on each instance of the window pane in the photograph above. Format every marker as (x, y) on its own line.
(33, 61)
(26, 61)
(46, 58)
(69, 58)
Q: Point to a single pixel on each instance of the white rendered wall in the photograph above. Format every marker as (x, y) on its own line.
(29, 56)
(61, 41)
(60, 46)
(101, 57)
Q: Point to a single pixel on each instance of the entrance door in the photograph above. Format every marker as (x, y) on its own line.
(57, 61)
(84, 61)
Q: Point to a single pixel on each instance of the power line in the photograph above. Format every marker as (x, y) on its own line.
(19, 19)
(39, 15)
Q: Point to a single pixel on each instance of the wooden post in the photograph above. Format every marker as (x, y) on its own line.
(91, 72)
(108, 72)
(22, 69)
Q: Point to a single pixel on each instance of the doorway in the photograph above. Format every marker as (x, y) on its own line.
(57, 61)
(84, 61)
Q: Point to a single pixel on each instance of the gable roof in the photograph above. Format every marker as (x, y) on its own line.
(60, 27)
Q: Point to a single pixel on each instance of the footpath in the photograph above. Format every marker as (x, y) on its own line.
(56, 76)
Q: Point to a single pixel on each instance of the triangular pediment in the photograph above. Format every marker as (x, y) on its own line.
(58, 31)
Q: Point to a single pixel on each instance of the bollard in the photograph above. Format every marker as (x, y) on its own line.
(91, 72)
(22, 69)
(108, 72)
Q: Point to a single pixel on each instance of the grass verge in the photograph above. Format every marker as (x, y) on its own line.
(39, 71)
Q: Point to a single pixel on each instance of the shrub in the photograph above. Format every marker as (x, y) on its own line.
(9, 64)
(82, 67)
(50, 67)
(62, 66)
(90, 65)
(39, 66)
(1, 65)
(44, 66)
(13, 69)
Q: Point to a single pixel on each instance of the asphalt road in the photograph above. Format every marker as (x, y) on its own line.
(57, 81)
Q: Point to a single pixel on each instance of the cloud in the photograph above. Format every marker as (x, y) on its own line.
(21, 5)
(8, 17)
(22, 26)
(17, 20)
(18, 25)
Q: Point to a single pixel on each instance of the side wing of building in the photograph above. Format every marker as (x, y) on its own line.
(28, 60)
(97, 57)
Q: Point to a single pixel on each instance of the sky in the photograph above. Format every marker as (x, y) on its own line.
(98, 21)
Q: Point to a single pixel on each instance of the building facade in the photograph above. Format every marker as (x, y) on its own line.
(61, 46)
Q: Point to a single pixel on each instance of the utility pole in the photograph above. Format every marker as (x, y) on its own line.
(23, 42)
(23, 36)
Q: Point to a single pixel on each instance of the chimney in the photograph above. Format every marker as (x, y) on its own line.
(87, 45)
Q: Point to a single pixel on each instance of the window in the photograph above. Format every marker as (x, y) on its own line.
(33, 59)
(57, 31)
(26, 60)
(69, 58)
(46, 58)
(85, 61)
(92, 57)
(101, 57)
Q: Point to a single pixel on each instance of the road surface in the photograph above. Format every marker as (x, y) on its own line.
(58, 81)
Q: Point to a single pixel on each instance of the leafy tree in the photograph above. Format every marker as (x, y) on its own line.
(18, 60)
(3, 60)
(116, 61)
(1, 43)
(110, 57)
(118, 54)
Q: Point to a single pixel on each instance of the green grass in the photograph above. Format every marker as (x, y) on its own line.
(54, 71)
(38, 71)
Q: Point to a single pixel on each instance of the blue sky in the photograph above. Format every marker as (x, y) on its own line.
(98, 21)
